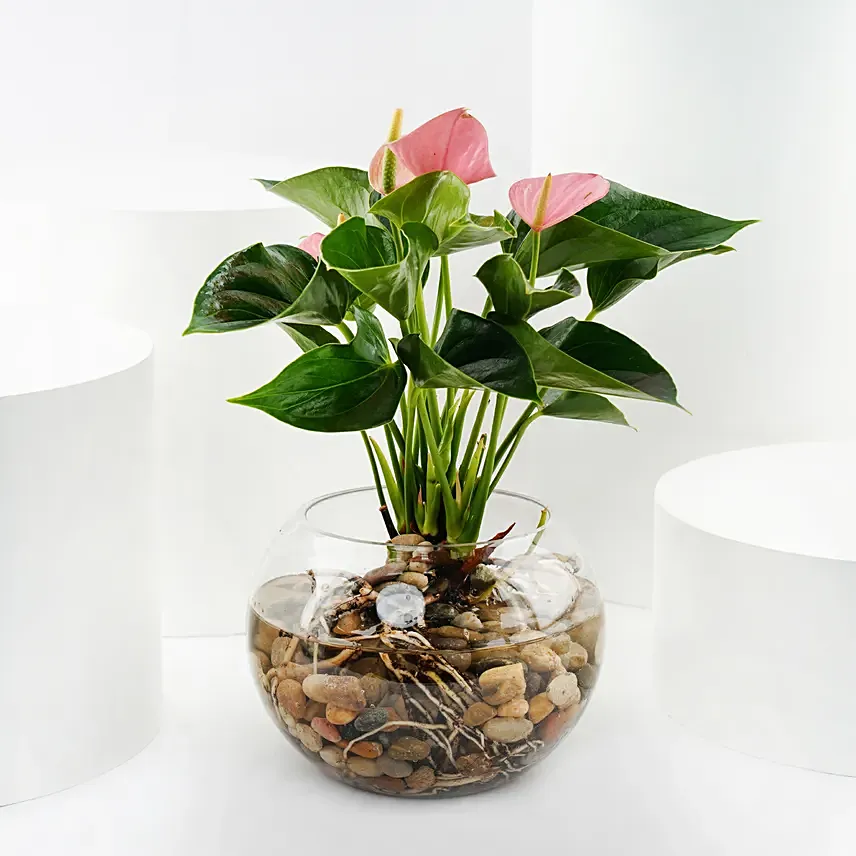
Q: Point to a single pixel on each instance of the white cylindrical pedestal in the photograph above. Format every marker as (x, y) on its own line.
(720, 108)
(754, 599)
(79, 611)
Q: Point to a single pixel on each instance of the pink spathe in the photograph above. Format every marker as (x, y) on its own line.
(569, 193)
(312, 244)
(402, 174)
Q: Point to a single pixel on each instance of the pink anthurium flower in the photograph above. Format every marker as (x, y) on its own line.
(402, 173)
(453, 141)
(312, 244)
(543, 202)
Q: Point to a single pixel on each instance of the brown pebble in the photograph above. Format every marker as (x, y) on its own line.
(264, 637)
(374, 688)
(575, 657)
(552, 728)
(451, 632)
(450, 644)
(587, 677)
(290, 697)
(309, 738)
(294, 671)
(540, 707)
(461, 660)
(326, 729)
(349, 623)
(408, 539)
(340, 715)
(503, 683)
(387, 783)
(541, 658)
(387, 572)
(421, 779)
(282, 650)
(410, 578)
(475, 764)
(409, 749)
(368, 666)
(314, 709)
(366, 767)
(397, 769)
(515, 707)
(263, 660)
(341, 690)
(478, 713)
(367, 749)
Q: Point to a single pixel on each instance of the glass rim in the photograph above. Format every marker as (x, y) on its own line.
(513, 535)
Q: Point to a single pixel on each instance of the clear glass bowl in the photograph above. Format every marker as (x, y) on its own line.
(420, 669)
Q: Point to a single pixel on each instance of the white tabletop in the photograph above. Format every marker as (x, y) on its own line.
(220, 781)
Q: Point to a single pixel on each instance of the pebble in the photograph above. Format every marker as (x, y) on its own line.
(575, 657)
(557, 722)
(281, 650)
(438, 614)
(387, 783)
(475, 764)
(326, 729)
(469, 621)
(333, 756)
(484, 660)
(421, 779)
(534, 683)
(295, 671)
(563, 690)
(374, 688)
(314, 709)
(419, 567)
(525, 636)
(515, 707)
(407, 540)
(587, 677)
(391, 767)
(373, 717)
(290, 697)
(481, 579)
(264, 637)
(414, 579)
(340, 690)
(506, 729)
(366, 767)
(386, 572)
(309, 738)
(340, 715)
(503, 683)
(263, 660)
(540, 707)
(447, 644)
(541, 658)
(478, 713)
(367, 749)
(349, 623)
(450, 631)
(461, 660)
(409, 749)
(587, 635)
(368, 666)
(560, 643)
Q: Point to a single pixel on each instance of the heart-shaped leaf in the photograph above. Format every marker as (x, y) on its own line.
(582, 405)
(251, 287)
(576, 243)
(440, 201)
(334, 388)
(613, 354)
(370, 341)
(326, 192)
(609, 282)
(659, 222)
(308, 337)
(506, 285)
(564, 288)
(555, 369)
(472, 353)
(324, 300)
(365, 256)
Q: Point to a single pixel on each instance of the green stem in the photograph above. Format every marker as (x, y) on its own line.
(443, 302)
(458, 431)
(488, 304)
(345, 330)
(536, 251)
(394, 454)
(439, 466)
(475, 430)
(396, 431)
(384, 510)
(591, 316)
(389, 478)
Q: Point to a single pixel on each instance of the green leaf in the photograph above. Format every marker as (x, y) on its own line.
(365, 256)
(576, 243)
(326, 192)
(324, 300)
(440, 201)
(506, 284)
(613, 354)
(334, 388)
(609, 282)
(308, 336)
(370, 341)
(555, 369)
(250, 287)
(472, 353)
(582, 405)
(521, 230)
(659, 222)
(564, 288)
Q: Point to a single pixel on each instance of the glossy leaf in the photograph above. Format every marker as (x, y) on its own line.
(613, 354)
(555, 369)
(472, 353)
(334, 388)
(576, 243)
(365, 256)
(251, 287)
(564, 288)
(659, 222)
(308, 337)
(370, 341)
(609, 282)
(440, 201)
(506, 284)
(512, 244)
(326, 192)
(582, 405)
(324, 300)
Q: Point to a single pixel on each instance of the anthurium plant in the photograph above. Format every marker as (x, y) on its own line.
(440, 386)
